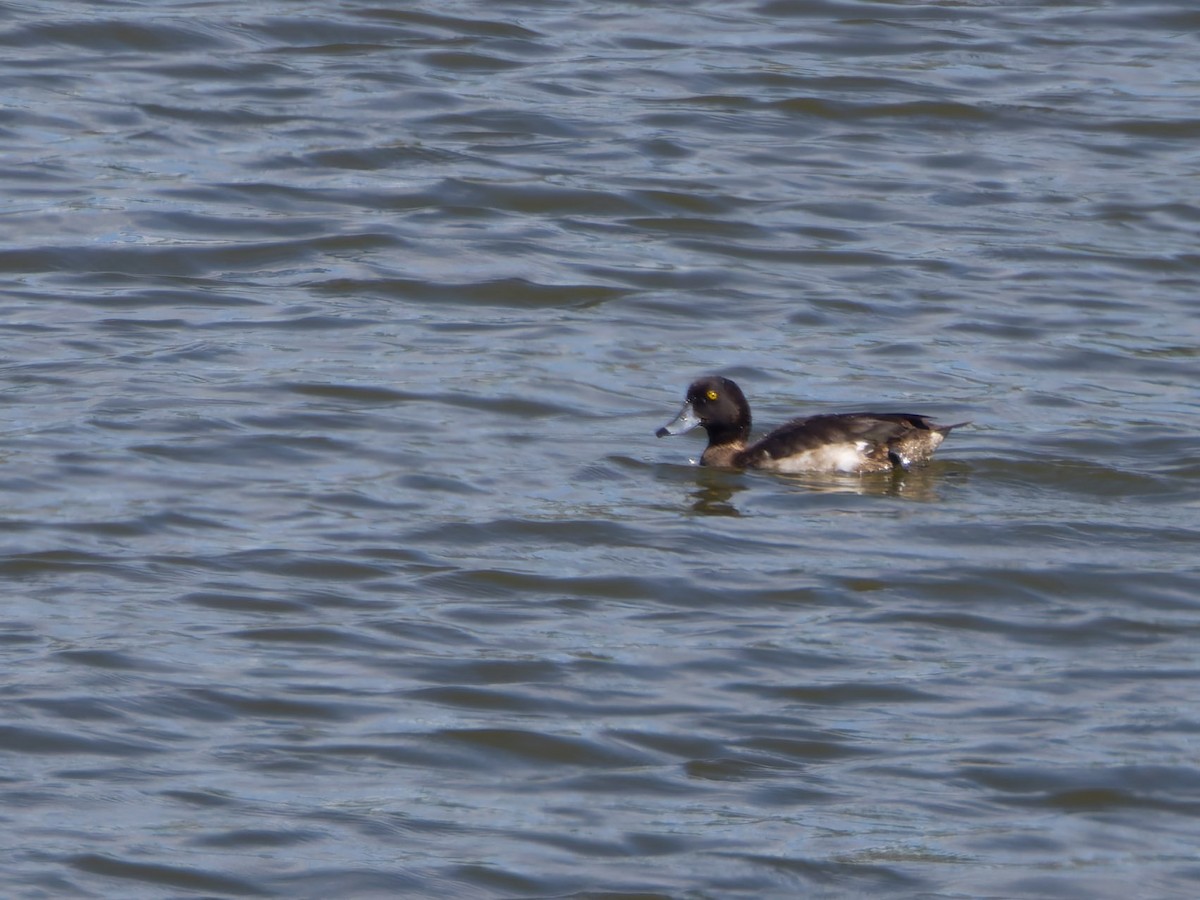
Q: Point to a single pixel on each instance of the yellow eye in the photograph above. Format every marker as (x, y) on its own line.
(711, 395)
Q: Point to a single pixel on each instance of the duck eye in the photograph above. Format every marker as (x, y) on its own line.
(711, 395)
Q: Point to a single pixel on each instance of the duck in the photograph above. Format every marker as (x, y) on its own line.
(849, 443)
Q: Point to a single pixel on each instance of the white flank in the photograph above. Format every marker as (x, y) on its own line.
(830, 458)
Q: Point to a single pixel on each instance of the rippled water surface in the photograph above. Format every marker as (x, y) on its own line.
(339, 557)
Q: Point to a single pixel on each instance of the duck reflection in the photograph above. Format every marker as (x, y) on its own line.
(714, 490)
(915, 484)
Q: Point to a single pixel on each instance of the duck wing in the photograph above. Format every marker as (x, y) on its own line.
(837, 429)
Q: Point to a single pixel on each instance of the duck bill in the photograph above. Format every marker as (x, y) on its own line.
(685, 421)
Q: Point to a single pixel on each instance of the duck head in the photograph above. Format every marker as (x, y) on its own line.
(716, 404)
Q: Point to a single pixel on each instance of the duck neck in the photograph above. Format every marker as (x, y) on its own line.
(728, 432)
(724, 443)
(722, 455)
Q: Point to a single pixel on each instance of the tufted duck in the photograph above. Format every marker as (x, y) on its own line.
(839, 442)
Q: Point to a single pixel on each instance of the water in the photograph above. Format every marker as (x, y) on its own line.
(338, 554)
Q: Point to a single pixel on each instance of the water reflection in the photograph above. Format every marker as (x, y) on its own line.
(715, 489)
(916, 484)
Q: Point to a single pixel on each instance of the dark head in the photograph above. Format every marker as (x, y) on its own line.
(717, 404)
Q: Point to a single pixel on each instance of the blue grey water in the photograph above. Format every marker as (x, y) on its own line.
(338, 555)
